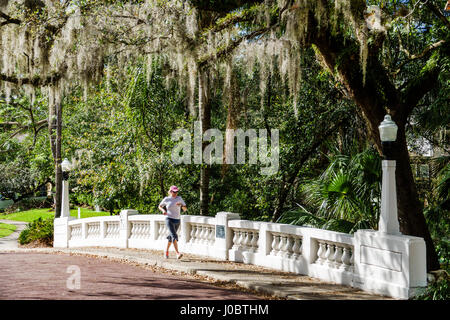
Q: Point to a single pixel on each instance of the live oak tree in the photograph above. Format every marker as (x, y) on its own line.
(366, 49)
(386, 59)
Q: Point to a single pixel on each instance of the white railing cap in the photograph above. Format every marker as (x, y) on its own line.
(199, 219)
(244, 224)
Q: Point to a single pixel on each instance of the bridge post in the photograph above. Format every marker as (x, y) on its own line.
(393, 265)
(61, 232)
(224, 234)
(124, 227)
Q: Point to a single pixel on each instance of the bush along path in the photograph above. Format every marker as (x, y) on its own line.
(10, 242)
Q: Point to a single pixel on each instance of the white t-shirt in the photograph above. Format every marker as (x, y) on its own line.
(173, 211)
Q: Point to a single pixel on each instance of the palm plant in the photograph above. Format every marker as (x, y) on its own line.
(345, 197)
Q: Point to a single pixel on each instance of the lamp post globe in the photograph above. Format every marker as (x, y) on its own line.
(388, 135)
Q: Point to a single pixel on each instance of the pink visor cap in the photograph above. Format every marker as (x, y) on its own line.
(173, 188)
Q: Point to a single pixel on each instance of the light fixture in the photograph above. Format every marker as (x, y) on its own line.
(388, 135)
(66, 165)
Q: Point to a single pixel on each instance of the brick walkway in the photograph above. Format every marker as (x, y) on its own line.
(45, 276)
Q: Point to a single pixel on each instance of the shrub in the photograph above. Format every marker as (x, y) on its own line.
(437, 290)
(39, 230)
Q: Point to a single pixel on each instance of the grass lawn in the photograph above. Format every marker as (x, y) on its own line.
(33, 214)
(6, 229)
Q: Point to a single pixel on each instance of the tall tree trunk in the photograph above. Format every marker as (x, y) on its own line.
(233, 112)
(205, 120)
(58, 170)
(410, 209)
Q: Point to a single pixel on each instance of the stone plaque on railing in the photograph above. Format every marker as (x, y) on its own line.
(220, 231)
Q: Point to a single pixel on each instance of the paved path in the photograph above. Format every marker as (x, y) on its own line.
(10, 242)
(115, 273)
(54, 276)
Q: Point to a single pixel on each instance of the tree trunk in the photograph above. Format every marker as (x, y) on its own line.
(205, 120)
(410, 209)
(58, 170)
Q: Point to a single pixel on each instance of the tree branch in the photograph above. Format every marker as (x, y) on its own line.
(412, 57)
(8, 19)
(438, 13)
(35, 81)
(416, 89)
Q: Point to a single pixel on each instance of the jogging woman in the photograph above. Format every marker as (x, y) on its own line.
(170, 206)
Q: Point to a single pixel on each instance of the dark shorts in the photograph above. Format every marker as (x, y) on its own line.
(172, 225)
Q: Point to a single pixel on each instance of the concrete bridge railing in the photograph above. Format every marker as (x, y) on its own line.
(392, 265)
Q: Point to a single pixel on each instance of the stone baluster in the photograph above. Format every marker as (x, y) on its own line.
(201, 234)
(147, 229)
(296, 248)
(212, 236)
(275, 244)
(327, 254)
(246, 242)
(321, 253)
(198, 231)
(280, 246)
(192, 234)
(337, 257)
(254, 243)
(241, 239)
(352, 257)
(205, 235)
(345, 259)
(287, 248)
(235, 239)
(330, 255)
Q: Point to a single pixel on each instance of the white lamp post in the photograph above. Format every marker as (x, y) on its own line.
(66, 166)
(388, 223)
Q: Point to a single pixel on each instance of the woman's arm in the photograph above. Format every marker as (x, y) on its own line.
(162, 209)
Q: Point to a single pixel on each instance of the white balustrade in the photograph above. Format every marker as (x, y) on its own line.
(202, 234)
(245, 240)
(335, 255)
(112, 229)
(163, 232)
(93, 230)
(75, 231)
(286, 245)
(140, 230)
(324, 254)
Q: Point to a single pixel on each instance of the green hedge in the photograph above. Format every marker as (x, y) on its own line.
(40, 230)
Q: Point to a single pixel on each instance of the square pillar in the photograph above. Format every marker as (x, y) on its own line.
(124, 227)
(393, 265)
(61, 232)
(388, 223)
(223, 234)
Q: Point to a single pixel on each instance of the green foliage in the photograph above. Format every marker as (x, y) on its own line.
(437, 290)
(40, 230)
(437, 214)
(29, 203)
(345, 197)
(6, 229)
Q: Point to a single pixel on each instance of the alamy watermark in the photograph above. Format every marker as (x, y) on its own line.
(74, 280)
(213, 153)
